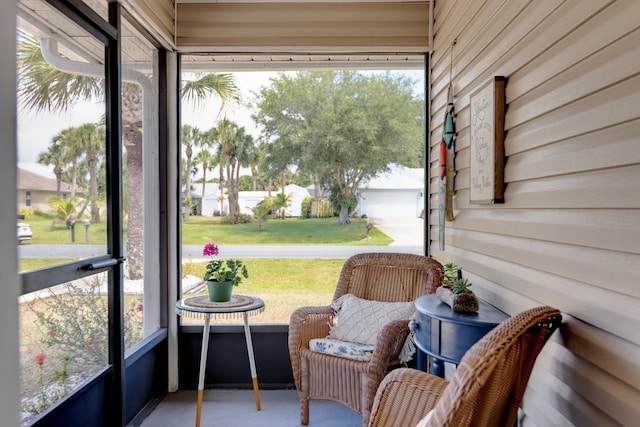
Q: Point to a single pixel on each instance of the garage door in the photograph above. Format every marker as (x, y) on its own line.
(390, 204)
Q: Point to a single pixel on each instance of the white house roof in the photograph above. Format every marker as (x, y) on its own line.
(398, 178)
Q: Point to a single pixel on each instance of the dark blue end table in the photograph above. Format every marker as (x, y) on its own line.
(446, 335)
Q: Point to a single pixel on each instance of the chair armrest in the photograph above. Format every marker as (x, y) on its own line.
(309, 322)
(389, 344)
(306, 323)
(404, 397)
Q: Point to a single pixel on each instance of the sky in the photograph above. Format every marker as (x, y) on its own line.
(36, 130)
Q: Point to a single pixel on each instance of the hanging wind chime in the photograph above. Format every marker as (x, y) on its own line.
(447, 161)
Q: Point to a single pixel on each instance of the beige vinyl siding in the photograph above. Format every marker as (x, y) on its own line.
(568, 233)
(159, 17)
(304, 26)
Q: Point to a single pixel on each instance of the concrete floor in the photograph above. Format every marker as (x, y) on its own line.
(237, 408)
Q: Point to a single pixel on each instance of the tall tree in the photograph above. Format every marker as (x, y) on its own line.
(207, 156)
(342, 126)
(54, 156)
(42, 87)
(70, 140)
(207, 160)
(256, 157)
(93, 137)
(190, 136)
(244, 146)
(233, 141)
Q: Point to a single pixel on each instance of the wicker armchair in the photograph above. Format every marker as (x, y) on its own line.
(387, 277)
(486, 389)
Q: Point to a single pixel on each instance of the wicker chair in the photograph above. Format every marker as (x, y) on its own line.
(486, 389)
(387, 277)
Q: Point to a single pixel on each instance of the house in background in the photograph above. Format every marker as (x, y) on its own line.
(247, 200)
(398, 193)
(34, 190)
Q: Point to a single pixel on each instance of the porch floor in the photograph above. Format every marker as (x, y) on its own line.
(236, 408)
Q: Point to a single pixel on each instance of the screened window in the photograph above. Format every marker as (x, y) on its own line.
(258, 179)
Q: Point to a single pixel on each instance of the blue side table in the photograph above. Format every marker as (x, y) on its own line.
(446, 335)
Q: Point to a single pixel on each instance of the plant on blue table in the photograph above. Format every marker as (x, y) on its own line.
(222, 275)
(230, 270)
(455, 290)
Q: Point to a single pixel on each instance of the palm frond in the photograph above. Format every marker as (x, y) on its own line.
(221, 85)
(42, 87)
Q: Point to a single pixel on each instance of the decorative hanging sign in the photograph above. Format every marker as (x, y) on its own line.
(447, 169)
(449, 140)
(487, 142)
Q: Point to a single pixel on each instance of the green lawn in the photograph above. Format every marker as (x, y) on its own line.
(196, 231)
(28, 264)
(284, 285)
(45, 230)
(293, 231)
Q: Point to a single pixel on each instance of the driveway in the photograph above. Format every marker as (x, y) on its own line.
(404, 231)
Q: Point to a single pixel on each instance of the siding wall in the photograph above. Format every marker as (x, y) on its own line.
(158, 17)
(568, 233)
(291, 26)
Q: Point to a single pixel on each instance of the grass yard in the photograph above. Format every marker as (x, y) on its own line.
(284, 285)
(47, 231)
(29, 264)
(290, 231)
(196, 231)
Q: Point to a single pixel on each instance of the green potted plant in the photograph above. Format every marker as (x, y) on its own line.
(455, 290)
(222, 275)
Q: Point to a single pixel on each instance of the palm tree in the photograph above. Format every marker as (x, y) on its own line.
(208, 162)
(245, 145)
(54, 156)
(70, 141)
(93, 136)
(235, 145)
(42, 87)
(256, 157)
(63, 209)
(280, 203)
(227, 134)
(190, 137)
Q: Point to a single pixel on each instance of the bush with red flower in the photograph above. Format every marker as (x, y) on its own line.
(230, 270)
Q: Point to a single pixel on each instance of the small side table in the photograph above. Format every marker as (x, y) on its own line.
(201, 306)
(446, 335)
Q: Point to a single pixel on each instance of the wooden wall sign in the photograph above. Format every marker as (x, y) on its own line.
(487, 142)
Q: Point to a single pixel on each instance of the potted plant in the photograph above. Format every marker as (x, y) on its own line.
(455, 290)
(222, 275)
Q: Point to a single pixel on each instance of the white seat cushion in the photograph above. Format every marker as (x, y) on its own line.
(347, 350)
(359, 321)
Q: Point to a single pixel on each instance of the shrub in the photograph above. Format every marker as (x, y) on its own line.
(73, 327)
(306, 207)
(321, 208)
(239, 219)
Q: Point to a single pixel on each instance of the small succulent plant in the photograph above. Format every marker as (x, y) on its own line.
(451, 274)
(461, 287)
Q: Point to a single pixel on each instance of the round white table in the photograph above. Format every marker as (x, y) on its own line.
(240, 305)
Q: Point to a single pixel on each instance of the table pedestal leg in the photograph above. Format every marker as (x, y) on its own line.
(252, 362)
(203, 365)
(438, 367)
